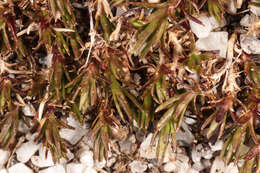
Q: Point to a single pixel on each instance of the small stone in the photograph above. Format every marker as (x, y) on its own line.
(26, 151)
(87, 141)
(4, 155)
(216, 41)
(191, 170)
(74, 168)
(214, 23)
(176, 166)
(217, 146)
(89, 170)
(245, 21)
(182, 157)
(196, 153)
(189, 120)
(254, 9)
(218, 166)
(41, 161)
(207, 153)
(22, 127)
(54, 169)
(86, 157)
(146, 150)
(250, 44)
(3, 171)
(127, 145)
(100, 164)
(111, 161)
(231, 168)
(206, 163)
(232, 7)
(29, 110)
(47, 60)
(201, 31)
(138, 166)
(72, 136)
(185, 135)
(198, 166)
(169, 167)
(20, 167)
(153, 1)
(70, 156)
(30, 136)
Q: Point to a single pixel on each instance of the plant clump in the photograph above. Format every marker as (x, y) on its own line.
(125, 66)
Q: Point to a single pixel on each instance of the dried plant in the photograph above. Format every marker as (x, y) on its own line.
(126, 62)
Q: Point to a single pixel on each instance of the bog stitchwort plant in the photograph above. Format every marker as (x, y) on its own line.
(122, 65)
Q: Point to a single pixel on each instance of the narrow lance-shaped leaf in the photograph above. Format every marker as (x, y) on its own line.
(149, 29)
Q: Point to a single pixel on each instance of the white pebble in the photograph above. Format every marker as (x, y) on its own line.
(153, 1)
(216, 41)
(254, 9)
(20, 167)
(196, 153)
(100, 164)
(3, 171)
(217, 146)
(74, 168)
(70, 156)
(86, 157)
(138, 166)
(146, 150)
(250, 44)
(111, 161)
(26, 151)
(29, 110)
(176, 166)
(218, 166)
(191, 170)
(40, 160)
(47, 60)
(4, 155)
(72, 136)
(185, 135)
(198, 166)
(170, 167)
(89, 170)
(245, 21)
(199, 30)
(231, 168)
(22, 127)
(54, 169)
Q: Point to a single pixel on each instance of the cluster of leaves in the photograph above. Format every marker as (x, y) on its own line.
(139, 66)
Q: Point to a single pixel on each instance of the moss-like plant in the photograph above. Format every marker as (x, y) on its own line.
(115, 63)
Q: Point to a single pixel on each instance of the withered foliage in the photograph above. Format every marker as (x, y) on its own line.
(122, 64)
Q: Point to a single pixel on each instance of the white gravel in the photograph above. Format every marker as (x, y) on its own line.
(250, 44)
(86, 157)
(42, 161)
(216, 41)
(26, 151)
(4, 155)
(74, 168)
(199, 30)
(20, 168)
(219, 166)
(255, 10)
(54, 169)
(138, 166)
(146, 150)
(73, 136)
(29, 110)
(3, 171)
